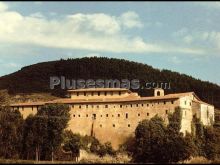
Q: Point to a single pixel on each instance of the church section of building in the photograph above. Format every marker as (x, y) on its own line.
(112, 114)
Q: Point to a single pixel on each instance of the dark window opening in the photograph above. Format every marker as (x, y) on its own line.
(129, 125)
(118, 115)
(106, 115)
(106, 106)
(113, 125)
(147, 114)
(158, 93)
(126, 115)
(139, 114)
(120, 106)
(94, 116)
(119, 93)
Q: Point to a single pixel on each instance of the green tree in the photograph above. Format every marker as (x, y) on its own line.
(47, 128)
(149, 136)
(72, 143)
(10, 133)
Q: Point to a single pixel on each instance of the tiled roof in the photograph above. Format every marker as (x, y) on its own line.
(130, 98)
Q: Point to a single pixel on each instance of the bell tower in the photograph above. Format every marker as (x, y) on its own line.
(158, 92)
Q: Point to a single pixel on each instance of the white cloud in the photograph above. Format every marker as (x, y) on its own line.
(131, 19)
(3, 6)
(94, 32)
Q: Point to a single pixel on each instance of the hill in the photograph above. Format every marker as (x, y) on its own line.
(35, 78)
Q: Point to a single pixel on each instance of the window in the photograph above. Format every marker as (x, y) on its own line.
(111, 93)
(84, 93)
(113, 125)
(92, 93)
(87, 115)
(94, 116)
(136, 105)
(106, 115)
(86, 106)
(118, 115)
(120, 106)
(105, 93)
(97, 106)
(72, 106)
(92, 106)
(74, 115)
(158, 93)
(166, 111)
(126, 115)
(119, 93)
(147, 105)
(129, 125)
(80, 106)
(101, 115)
(164, 102)
(77, 93)
(147, 114)
(142, 105)
(106, 106)
(98, 93)
(139, 114)
(171, 102)
(79, 115)
(100, 125)
(112, 115)
(190, 103)
(131, 105)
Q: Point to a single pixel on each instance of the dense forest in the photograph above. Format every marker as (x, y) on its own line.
(36, 78)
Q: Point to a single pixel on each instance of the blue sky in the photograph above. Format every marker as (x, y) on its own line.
(180, 36)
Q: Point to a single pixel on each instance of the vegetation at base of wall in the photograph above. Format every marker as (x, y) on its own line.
(36, 78)
(156, 143)
(75, 142)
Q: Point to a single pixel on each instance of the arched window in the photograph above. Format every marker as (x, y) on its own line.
(158, 93)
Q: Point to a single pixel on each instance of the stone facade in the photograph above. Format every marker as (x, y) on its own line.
(112, 114)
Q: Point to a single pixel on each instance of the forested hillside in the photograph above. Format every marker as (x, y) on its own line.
(36, 78)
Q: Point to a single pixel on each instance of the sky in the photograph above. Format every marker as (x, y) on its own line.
(179, 36)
